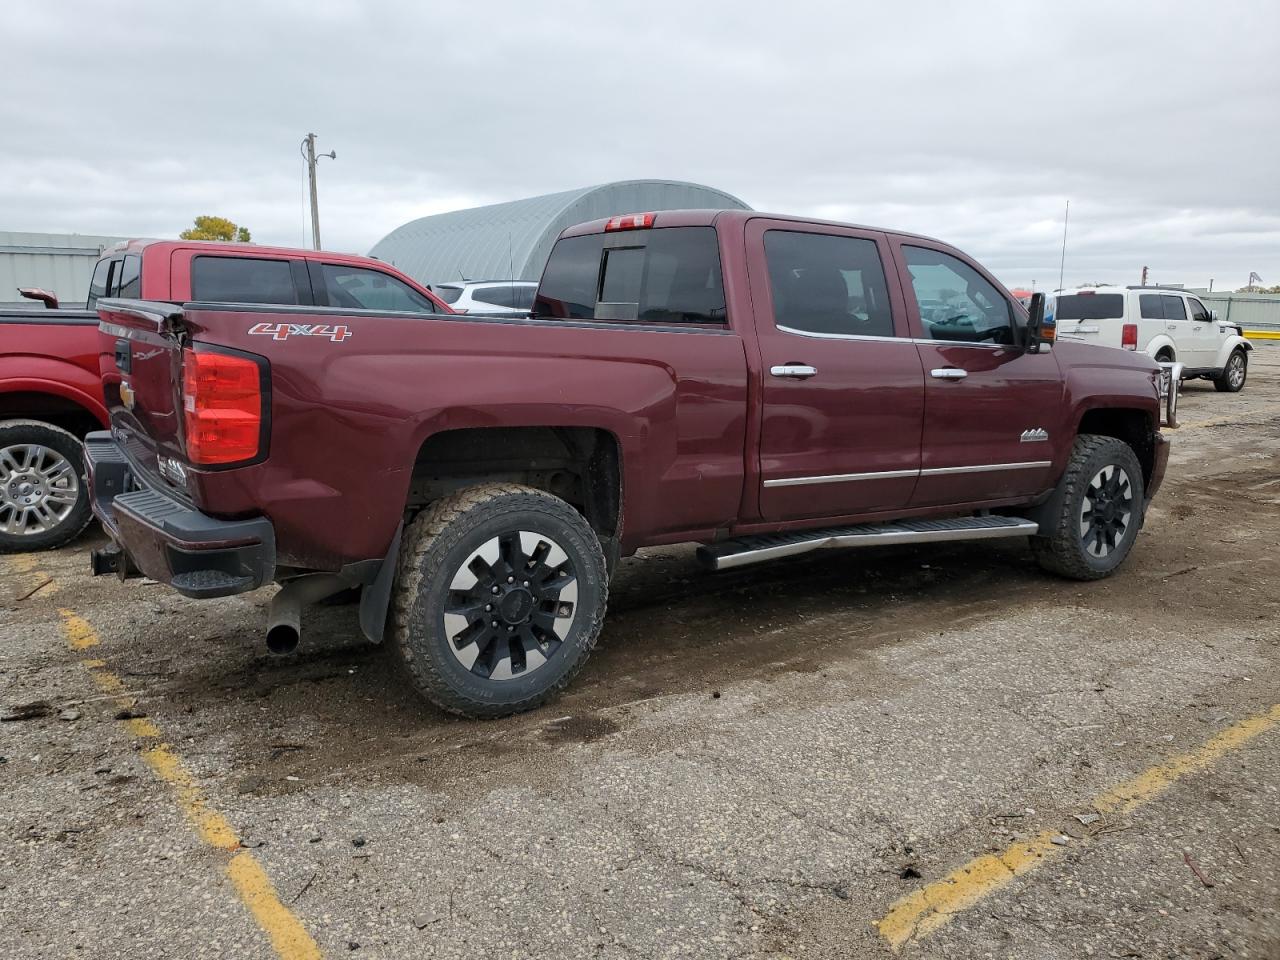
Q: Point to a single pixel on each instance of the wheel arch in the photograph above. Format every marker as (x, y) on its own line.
(1132, 426)
(1162, 343)
(1230, 346)
(53, 403)
(581, 465)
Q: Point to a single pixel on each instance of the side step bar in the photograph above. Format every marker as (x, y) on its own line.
(737, 553)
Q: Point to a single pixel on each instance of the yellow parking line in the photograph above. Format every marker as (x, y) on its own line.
(1262, 334)
(288, 937)
(79, 634)
(920, 913)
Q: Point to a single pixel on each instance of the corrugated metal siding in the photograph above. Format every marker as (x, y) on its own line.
(1253, 311)
(61, 262)
(514, 239)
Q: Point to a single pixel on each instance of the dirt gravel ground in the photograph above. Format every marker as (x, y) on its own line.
(757, 763)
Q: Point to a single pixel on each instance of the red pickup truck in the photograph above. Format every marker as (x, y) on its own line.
(50, 384)
(761, 385)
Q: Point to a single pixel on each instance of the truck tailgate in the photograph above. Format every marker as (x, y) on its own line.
(141, 366)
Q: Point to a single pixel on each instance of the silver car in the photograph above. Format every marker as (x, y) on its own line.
(487, 296)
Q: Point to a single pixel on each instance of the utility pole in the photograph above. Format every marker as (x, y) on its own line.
(309, 154)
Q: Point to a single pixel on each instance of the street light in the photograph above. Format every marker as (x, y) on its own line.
(308, 148)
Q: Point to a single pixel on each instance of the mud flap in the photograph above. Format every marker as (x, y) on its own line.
(375, 598)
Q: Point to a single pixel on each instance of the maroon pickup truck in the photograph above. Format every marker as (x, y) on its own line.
(761, 385)
(51, 387)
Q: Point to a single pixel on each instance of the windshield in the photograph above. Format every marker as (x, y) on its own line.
(1090, 306)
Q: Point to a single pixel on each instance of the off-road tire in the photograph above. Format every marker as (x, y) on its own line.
(1058, 546)
(1222, 383)
(66, 445)
(436, 544)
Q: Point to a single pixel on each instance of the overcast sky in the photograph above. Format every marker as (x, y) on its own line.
(972, 122)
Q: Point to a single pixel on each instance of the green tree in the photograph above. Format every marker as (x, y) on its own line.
(216, 228)
(1256, 289)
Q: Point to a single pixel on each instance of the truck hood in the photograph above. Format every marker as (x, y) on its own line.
(1079, 353)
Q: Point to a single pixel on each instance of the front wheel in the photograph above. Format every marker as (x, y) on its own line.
(44, 500)
(1095, 513)
(500, 597)
(1233, 375)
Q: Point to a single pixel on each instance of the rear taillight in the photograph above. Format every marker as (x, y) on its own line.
(222, 407)
(1129, 336)
(631, 221)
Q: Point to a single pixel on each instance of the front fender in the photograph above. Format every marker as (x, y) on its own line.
(1229, 345)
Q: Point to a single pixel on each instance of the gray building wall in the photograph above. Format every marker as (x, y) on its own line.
(60, 262)
(513, 240)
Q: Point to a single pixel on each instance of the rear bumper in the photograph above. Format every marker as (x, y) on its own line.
(197, 555)
(1159, 463)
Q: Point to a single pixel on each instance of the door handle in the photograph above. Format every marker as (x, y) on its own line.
(948, 373)
(796, 371)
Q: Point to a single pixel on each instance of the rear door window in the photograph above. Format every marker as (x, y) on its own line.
(1090, 306)
(1151, 307)
(242, 280)
(1173, 308)
(669, 275)
(358, 289)
(827, 284)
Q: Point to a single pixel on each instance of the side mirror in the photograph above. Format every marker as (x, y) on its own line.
(50, 300)
(1041, 328)
(1213, 315)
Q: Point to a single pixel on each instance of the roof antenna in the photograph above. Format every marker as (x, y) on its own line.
(511, 269)
(1062, 266)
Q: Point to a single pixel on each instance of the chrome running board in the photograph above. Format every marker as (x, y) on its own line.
(727, 554)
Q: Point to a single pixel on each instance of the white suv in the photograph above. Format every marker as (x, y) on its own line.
(487, 296)
(1165, 323)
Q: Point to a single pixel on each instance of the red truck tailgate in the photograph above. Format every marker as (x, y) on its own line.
(141, 364)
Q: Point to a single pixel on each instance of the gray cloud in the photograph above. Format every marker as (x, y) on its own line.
(1157, 120)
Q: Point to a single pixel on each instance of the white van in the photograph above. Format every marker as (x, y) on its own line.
(1163, 322)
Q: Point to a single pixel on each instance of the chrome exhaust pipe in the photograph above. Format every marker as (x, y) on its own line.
(284, 618)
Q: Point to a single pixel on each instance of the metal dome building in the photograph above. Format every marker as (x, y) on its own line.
(513, 240)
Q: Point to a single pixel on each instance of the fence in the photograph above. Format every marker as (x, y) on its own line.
(1258, 313)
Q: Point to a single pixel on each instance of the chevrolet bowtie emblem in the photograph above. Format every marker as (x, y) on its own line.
(1034, 434)
(127, 396)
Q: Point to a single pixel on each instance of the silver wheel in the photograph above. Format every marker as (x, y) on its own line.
(511, 605)
(38, 489)
(1106, 510)
(1235, 371)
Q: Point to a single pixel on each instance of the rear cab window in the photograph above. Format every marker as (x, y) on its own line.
(101, 282)
(663, 275)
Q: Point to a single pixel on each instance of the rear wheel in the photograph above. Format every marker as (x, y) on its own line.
(1234, 374)
(44, 500)
(499, 600)
(1097, 511)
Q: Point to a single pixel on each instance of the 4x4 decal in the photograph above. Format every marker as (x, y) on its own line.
(280, 331)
